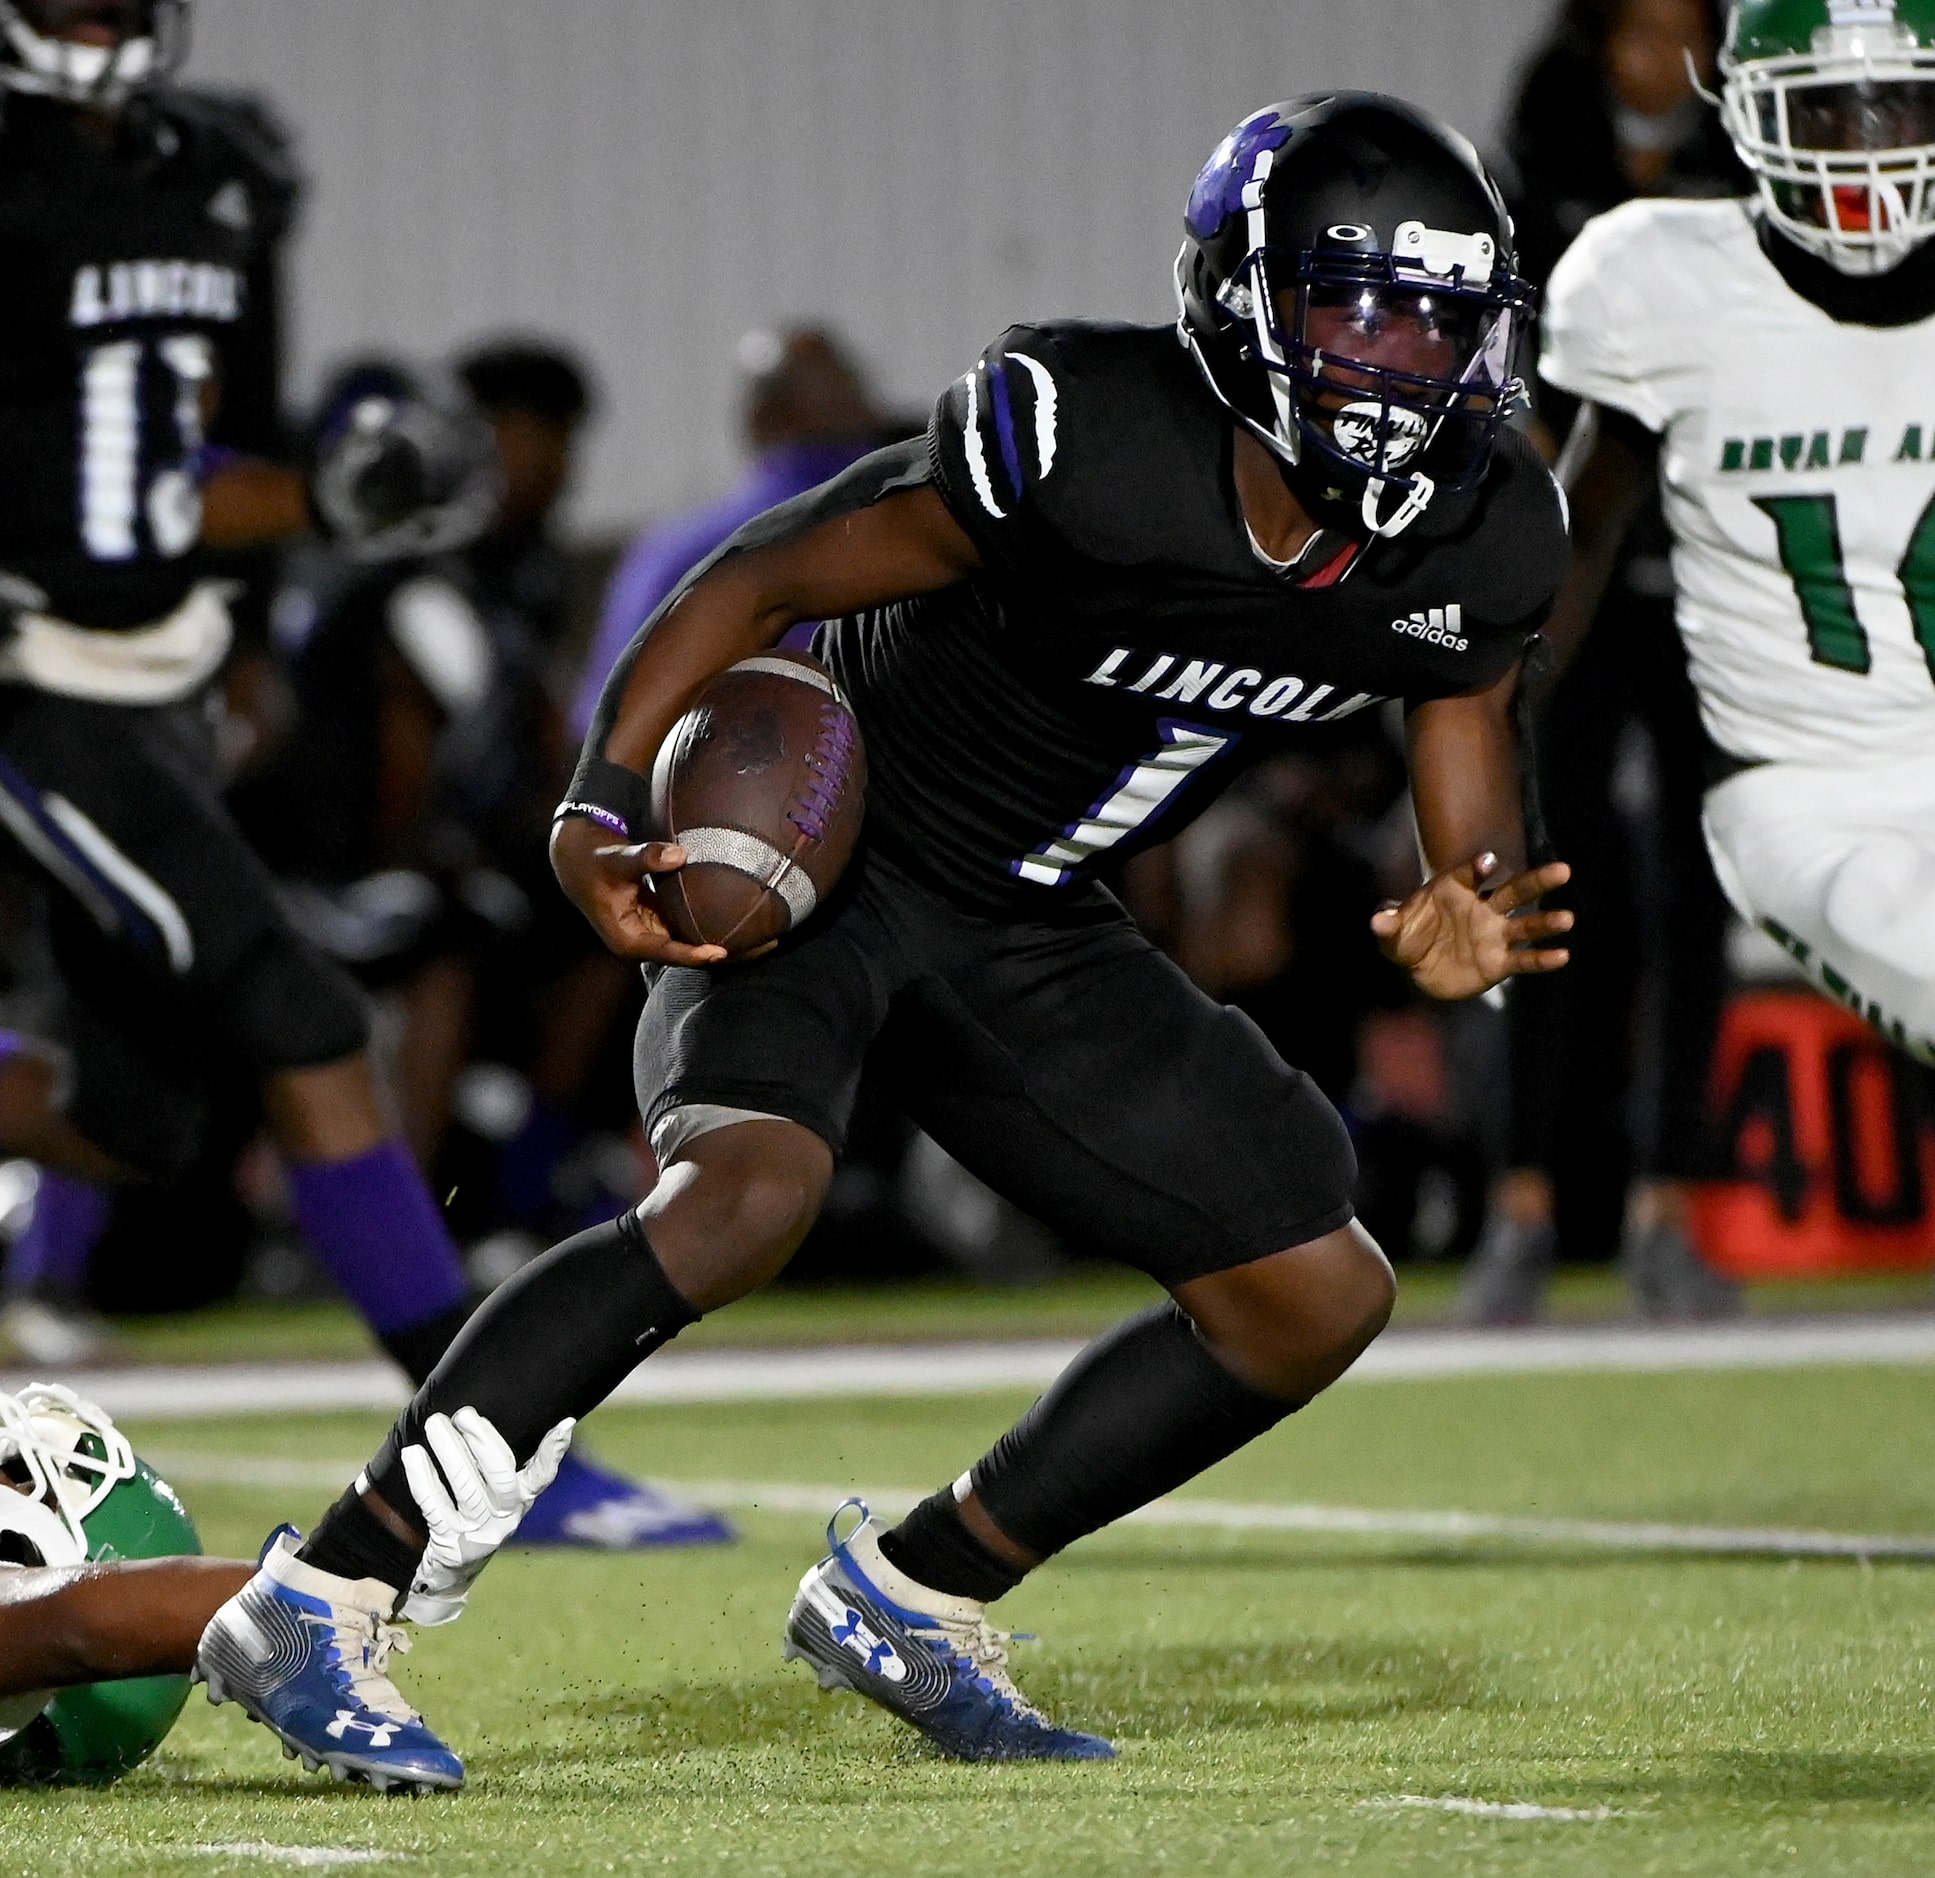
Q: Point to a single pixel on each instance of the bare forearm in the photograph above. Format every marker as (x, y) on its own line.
(95, 1623)
(1475, 919)
(1465, 785)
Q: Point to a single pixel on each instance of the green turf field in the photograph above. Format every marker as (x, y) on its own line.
(1281, 1702)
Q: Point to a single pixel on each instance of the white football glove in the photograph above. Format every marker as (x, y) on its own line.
(472, 1497)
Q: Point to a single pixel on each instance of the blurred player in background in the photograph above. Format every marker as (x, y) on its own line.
(1772, 364)
(1065, 618)
(401, 749)
(141, 221)
(1610, 1060)
(538, 402)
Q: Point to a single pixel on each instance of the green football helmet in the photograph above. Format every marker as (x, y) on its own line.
(1831, 104)
(80, 1495)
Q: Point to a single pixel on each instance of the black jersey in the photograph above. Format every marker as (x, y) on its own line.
(1126, 648)
(137, 272)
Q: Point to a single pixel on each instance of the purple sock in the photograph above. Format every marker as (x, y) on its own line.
(67, 1222)
(373, 1224)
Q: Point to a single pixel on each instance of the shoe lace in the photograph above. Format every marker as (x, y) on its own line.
(985, 1646)
(364, 1644)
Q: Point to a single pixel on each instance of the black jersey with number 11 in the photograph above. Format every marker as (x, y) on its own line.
(135, 260)
(1126, 647)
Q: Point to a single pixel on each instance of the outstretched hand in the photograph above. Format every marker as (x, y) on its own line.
(610, 882)
(1458, 936)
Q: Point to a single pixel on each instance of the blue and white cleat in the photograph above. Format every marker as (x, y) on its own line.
(305, 1654)
(590, 1506)
(931, 1659)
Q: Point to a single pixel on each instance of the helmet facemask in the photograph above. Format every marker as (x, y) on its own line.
(61, 1453)
(131, 46)
(1375, 358)
(405, 466)
(1842, 141)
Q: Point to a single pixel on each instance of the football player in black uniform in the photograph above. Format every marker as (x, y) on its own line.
(1116, 570)
(138, 234)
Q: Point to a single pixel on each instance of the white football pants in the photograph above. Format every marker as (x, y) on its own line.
(1839, 866)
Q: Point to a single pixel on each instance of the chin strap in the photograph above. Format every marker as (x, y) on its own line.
(1416, 497)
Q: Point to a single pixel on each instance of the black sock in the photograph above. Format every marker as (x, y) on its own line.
(417, 1349)
(352, 1542)
(933, 1546)
(1140, 1411)
(551, 1342)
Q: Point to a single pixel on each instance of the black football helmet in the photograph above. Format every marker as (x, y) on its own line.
(94, 52)
(1346, 285)
(402, 462)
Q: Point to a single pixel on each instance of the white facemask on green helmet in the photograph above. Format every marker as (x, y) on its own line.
(1831, 104)
(63, 1457)
(71, 1489)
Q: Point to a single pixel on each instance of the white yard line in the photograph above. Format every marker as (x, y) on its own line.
(188, 1468)
(315, 1856)
(1491, 1809)
(970, 1368)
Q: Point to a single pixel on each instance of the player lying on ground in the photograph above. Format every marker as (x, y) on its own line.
(102, 1599)
(1117, 570)
(1773, 363)
(139, 228)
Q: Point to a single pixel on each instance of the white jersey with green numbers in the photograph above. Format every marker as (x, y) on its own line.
(1797, 469)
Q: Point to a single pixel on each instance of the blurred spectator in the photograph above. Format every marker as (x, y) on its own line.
(808, 414)
(538, 401)
(1609, 1059)
(1607, 111)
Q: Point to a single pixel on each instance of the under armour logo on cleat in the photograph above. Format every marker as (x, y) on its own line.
(381, 1733)
(880, 1656)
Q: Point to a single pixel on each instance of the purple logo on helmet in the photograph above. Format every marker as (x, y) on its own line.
(1219, 189)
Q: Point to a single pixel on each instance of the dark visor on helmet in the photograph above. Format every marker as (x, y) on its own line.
(1881, 114)
(1386, 361)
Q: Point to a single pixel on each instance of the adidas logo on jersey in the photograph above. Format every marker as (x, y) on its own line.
(1438, 626)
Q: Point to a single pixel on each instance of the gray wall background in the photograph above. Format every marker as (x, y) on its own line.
(651, 178)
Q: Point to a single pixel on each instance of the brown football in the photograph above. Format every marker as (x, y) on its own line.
(763, 782)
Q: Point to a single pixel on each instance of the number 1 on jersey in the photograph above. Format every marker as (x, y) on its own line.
(1141, 793)
(1808, 530)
